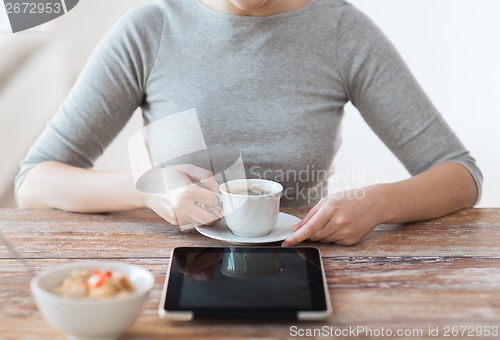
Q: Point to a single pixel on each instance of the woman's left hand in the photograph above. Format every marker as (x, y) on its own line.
(343, 218)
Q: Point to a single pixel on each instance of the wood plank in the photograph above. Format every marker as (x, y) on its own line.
(56, 234)
(377, 292)
(440, 272)
(145, 329)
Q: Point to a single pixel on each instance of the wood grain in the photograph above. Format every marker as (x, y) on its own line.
(137, 234)
(415, 276)
(395, 292)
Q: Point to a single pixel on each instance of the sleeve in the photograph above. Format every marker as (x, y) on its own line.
(108, 90)
(382, 88)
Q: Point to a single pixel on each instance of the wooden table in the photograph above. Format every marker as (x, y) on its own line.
(441, 275)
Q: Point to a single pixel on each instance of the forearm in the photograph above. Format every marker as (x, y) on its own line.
(54, 185)
(438, 191)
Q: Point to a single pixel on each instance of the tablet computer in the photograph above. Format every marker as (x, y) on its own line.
(245, 282)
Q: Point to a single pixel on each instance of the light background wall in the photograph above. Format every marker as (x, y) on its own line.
(452, 48)
(37, 69)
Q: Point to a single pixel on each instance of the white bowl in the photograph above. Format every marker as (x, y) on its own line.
(84, 318)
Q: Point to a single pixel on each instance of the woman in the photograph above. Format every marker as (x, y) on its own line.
(271, 78)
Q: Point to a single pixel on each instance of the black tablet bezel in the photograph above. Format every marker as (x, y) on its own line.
(320, 307)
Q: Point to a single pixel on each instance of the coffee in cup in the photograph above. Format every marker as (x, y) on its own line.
(251, 206)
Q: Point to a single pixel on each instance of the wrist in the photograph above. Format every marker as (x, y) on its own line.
(140, 199)
(135, 198)
(382, 196)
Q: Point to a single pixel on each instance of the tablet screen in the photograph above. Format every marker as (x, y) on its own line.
(245, 281)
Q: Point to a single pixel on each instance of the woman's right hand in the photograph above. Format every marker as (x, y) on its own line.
(190, 198)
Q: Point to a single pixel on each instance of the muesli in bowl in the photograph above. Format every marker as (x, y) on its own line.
(94, 300)
(96, 284)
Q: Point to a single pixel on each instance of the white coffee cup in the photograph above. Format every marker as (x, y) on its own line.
(251, 206)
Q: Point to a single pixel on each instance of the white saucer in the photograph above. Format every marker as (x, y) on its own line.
(283, 229)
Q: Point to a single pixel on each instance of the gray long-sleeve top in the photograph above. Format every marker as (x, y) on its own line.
(273, 87)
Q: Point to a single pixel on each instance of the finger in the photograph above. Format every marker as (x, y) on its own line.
(306, 219)
(204, 196)
(164, 209)
(333, 238)
(212, 223)
(308, 216)
(318, 221)
(217, 210)
(186, 227)
(321, 236)
(170, 219)
(201, 215)
(211, 183)
(327, 231)
(199, 174)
